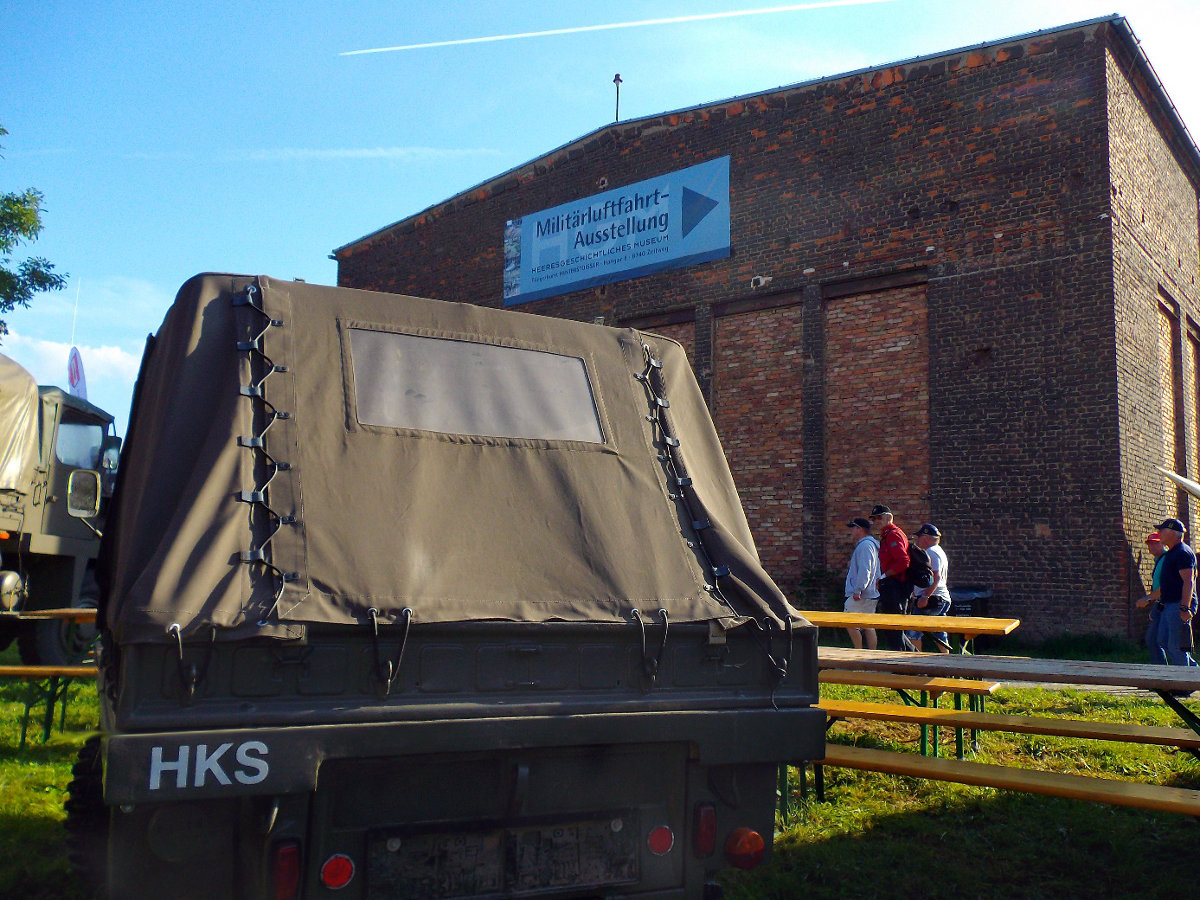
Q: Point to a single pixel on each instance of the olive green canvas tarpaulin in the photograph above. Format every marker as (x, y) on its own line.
(301, 455)
(18, 426)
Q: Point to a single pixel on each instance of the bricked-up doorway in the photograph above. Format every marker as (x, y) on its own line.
(757, 405)
(876, 411)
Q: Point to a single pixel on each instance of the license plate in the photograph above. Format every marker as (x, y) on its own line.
(503, 862)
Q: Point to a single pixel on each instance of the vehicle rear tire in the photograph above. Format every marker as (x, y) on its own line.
(56, 643)
(87, 819)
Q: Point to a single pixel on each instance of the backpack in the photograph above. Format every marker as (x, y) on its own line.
(920, 571)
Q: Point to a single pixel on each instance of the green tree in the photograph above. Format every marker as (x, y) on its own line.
(21, 222)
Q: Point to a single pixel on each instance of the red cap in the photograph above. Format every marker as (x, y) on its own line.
(1153, 538)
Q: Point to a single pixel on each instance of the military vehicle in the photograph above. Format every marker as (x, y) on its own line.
(408, 598)
(46, 556)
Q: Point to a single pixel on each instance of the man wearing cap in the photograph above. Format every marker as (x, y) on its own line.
(1155, 546)
(1177, 585)
(861, 593)
(893, 571)
(935, 599)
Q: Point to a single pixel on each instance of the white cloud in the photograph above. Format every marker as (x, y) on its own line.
(109, 371)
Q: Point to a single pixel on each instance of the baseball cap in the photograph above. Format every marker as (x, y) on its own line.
(1173, 524)
(879, 509)
(931, 530)
(1153, 538)
(859, 522)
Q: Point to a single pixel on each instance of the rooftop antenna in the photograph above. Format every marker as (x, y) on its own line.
(617, 82)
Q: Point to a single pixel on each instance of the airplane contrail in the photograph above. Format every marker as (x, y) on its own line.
(582, 28)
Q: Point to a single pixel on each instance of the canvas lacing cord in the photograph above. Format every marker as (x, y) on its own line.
(386, 670)
(680, 491)
(652, 664)
(190, 674)
(256, 444)
(677, 478)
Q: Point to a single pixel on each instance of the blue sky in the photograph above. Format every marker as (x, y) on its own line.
(176, 138)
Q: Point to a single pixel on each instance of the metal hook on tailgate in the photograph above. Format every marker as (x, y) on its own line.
(386, 670)
(190, 675)
(652, 664)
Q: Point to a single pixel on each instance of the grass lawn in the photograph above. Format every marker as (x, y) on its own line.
(882, 835)
(33, 784)
(875, 836)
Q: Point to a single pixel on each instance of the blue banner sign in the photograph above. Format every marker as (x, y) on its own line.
(674, 220)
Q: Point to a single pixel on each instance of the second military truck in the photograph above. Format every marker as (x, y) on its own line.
(46, 557)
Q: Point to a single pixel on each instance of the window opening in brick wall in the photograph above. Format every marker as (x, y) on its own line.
(876, 450)
(758, 408)
(1170, 377)
(1192, 389)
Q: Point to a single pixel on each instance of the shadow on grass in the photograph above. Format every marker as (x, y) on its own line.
(963, 843)
(34, 866)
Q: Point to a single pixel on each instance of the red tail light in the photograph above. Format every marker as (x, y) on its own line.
(661, 840)
(704, 830)
(285, 871)
(337, 871)
(745, 848)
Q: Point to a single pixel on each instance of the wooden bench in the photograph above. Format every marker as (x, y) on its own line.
(932, 685)
(929, 686)
(49, 685)
(80, 615)
(1183, 738)
(1167, 681)
(1077, 787)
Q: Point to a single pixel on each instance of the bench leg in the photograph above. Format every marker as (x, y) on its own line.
(785, 806)
(958, 732)
(819, 781)
(975, 731)
(30, 701)
(64, 695)
(925, 731)
(936, 730)
(54, 690)
(37, 693)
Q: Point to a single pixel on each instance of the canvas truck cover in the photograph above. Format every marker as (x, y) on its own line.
(300, 455)
(18, 426)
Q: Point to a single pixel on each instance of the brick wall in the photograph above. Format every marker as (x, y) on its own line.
(1153, 206)
(684, 333)
(984, 177)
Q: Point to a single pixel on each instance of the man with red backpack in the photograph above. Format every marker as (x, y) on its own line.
(893, 572)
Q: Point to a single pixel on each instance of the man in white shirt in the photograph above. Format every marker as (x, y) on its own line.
(862, 590)
(935, 599)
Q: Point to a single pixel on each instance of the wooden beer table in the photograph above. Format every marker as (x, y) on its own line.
(969, 627)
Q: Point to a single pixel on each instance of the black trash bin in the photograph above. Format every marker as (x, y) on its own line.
(969, 601)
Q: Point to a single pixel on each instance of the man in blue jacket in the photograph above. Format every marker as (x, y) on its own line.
(862, 592)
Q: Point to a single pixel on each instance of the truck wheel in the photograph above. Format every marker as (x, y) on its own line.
(87, 819)
(54, 643)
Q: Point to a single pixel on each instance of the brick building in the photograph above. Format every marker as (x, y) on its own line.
(981, 309)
